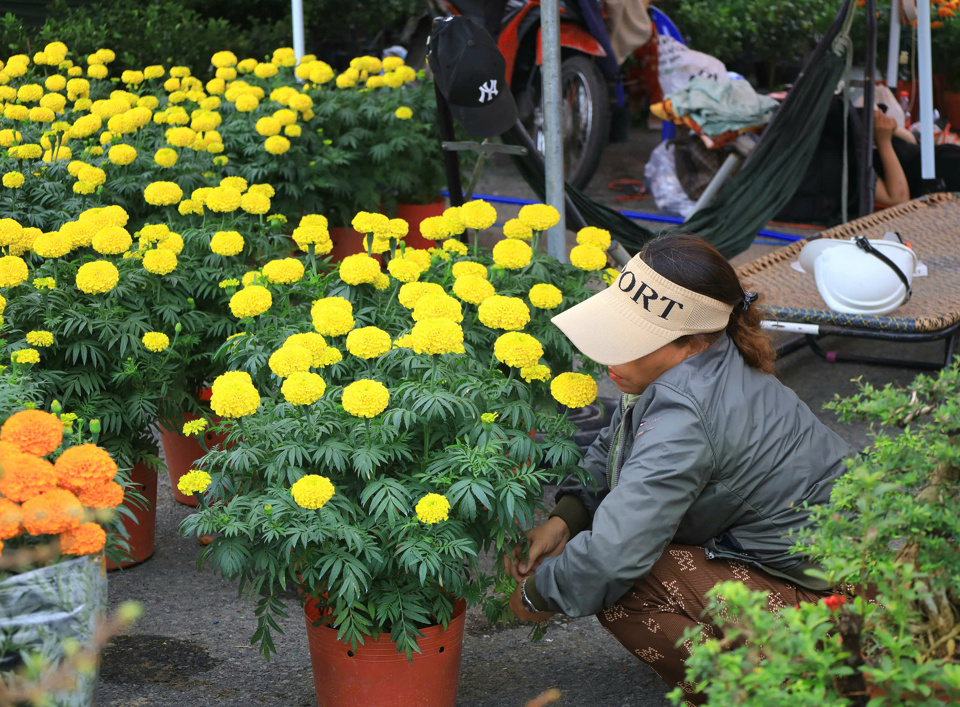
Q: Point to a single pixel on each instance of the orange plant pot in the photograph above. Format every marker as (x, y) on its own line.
(346, 241)
(141, 533)
(182, 452)
(951, 109)
(414, 214)
(377, 675)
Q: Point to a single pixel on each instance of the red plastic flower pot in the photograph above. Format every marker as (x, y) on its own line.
(413, 214)
(346, 241)
(182, 452)
(375, 674)
(141, 533)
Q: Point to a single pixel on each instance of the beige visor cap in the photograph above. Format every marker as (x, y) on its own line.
(639, 313)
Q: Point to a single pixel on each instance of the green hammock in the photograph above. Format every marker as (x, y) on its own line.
(768, 178)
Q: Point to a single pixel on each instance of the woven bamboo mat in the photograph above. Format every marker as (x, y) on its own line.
(930, 224)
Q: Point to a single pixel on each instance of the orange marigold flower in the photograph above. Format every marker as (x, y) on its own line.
(33, 431)
(86, 539)
(25, 476)
(108, 495)
(9, 519)
(84, 466)
(52, 512)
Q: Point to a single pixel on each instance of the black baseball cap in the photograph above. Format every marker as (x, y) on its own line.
(470, 72)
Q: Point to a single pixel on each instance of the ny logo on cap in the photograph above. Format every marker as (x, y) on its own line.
(488, 91)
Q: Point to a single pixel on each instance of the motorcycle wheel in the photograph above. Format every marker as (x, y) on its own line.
(584, 119)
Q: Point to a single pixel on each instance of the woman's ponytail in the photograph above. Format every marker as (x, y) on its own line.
(691, 262)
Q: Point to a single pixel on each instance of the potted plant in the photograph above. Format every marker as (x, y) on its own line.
(373, 485)
(57, 492)
(887, 543)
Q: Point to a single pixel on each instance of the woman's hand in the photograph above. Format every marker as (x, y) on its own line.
(516, 606)
(546, 540)
(883, 126)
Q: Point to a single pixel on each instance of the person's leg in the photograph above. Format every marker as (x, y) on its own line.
(651, 618)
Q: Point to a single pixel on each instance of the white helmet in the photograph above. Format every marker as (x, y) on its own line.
(860, 276)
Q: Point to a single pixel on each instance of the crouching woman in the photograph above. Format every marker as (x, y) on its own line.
(708, 467)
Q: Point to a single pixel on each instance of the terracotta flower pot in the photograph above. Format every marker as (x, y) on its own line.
(141, 533)
(413, 214)
(377, 675)
(951, 109)
(182, 452)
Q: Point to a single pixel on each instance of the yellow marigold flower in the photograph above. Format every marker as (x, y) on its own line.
(229, 282)
(575, 390)
(411, 293)
(472, 289)
(153, 72)
(469, 267)
(180, 136)
(97, 277)
(39, 338)
(369, 222)
(255, 203)
(512, 254)
(160, 261)
(437, 306)
(194, 427)
(226, 243)
(91, 174)
(27, 152)
(224, 58)
(312, 342)
(331, 355)
(499, 312)
(9, 136)
(290, 359)
(477, 214)
(359, 269)
(41, 283)
(538, 372)
(404, 270)
(292, 131)
(10, 231)
(55, 82)
(517, 350)
(194, 481)
(276, 145)
(251, 301)
(238, 183)
(403, 113)
(13, 180)
(25, 356)
(610, 275)
(489, 417)
(452, 245)
(365, 398)
(13, 271)
(398, 228)
(29, 93)
(112, 240)
(162, 193)
(189, 206)
(515, 228)
(594, 236)
(52, 245)
(320, 72)
(539, 217)
(392, 63)
(588, 257)
(303, 388)
(435, 336)
(312, 491)
(41, 115)
(284, 271)
(155, 341)
(305, 236)
(382, 282)
(433, 508)
(254, 277)
(234, 395)
(285, 117)
(376, 245)
(223, 199)
(437, 228)
(368, 342)
(172, 242)
(132, 78)
(545, 296)
(419, 256)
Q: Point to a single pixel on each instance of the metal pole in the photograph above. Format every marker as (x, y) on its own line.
(925, 77)
(868, 184)
(552, 136)
(297, 12)
(893, 47)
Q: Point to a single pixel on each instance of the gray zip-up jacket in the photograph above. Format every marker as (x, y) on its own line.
(713, 453)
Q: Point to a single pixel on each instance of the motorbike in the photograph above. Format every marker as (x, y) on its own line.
(588, 71)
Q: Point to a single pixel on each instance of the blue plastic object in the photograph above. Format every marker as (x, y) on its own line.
(665, 26)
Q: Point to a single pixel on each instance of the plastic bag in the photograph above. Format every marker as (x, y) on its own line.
(678, 63)
(41, 608)
(661, 174)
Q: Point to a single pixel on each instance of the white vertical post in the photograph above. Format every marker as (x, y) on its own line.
(297, 12)
(925, 77)
(893, 47)
(552, 135)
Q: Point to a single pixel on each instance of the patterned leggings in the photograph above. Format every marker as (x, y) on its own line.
(650, 619)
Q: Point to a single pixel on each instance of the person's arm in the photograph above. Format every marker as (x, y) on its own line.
(668, 468)
(893, 188)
